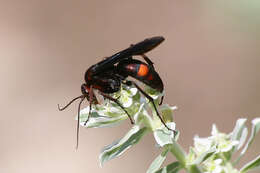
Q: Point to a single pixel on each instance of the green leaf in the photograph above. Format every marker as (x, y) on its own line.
(191, 156)
(194, 169)
(167, 112)
(204, 156)
(163, 136)
(146, 119)
(118, 147)
(156, 164)
(254, 131)
(254, 164)
(227, 155)
(171, 168)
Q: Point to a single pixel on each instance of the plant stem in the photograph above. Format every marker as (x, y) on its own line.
(178, 152)
(180, 155)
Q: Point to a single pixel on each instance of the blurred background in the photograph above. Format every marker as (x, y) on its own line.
(209, 63)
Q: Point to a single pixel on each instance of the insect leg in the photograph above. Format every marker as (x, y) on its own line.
(151, 100)
(161, 100)
(148, 60)
(91, 96)
(79, 122)
(117, 102)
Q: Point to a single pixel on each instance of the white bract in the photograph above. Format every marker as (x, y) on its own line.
(202, 145)
(214, 166)
(220, 141)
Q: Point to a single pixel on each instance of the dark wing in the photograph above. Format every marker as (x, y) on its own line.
(136, 49)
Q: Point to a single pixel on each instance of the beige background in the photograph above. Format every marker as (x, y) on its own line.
(209, 64)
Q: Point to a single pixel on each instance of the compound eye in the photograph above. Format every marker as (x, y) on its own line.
(84, 89)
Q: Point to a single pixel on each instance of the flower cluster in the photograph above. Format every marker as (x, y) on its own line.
(211, 154)
(214, 153)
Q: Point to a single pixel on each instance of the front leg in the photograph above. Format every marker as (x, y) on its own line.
(78, 123)
(91, 97)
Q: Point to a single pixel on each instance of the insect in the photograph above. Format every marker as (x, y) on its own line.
(107, 76)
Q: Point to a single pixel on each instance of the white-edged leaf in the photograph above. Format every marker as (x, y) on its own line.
(120, 146)
(138, 117)
(242, 139)
(254, 131)
(237, 132)
(102, 116)
(163, 136)
(171, 168)
(103, 121)
(252, 165)
(156, 164)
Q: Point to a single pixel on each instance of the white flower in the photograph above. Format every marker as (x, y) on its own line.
(126, 99)
(213, 166)
(223, 142)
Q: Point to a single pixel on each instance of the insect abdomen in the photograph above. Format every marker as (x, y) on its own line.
(142, 72)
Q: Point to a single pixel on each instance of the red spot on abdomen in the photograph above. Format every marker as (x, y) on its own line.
(143, 70)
